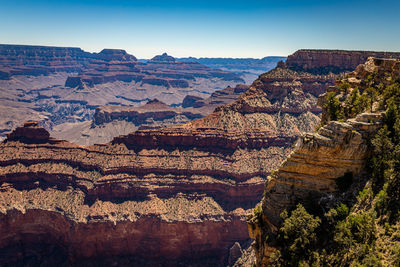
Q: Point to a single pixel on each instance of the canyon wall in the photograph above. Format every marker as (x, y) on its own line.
(338, 149)
(335, 61)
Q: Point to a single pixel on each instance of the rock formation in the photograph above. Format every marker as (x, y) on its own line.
(31, 132)
(319, 159)
(192, 101)
(115, 55)
(335, 61)
(163, 58)
(151, 113)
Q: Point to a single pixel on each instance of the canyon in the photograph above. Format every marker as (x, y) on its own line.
(178, 195)
(110, 121)
(57, 85)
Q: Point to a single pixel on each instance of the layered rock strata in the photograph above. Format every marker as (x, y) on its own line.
(335, 61)
(148, 115)
(61, 86)
(318, 160)
(111, 120)
(172, 204)
(338, 149)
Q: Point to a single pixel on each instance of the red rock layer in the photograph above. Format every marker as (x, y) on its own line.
(37, 60)
(110, 200)
(335, 61)
(148, 114)
(107, 66)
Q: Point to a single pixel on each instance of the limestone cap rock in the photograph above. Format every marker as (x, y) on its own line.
(163, 58)
(30, 132)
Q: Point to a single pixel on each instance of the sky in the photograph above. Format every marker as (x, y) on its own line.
(203, 28)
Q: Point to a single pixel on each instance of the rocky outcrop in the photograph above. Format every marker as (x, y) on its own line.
(151, 113)
(115, 55)
(75, 82)
(31, 132)
(318, 160)
(163, 58)
(192, 101)
(218, 98)
(338, 150)
(334, 61)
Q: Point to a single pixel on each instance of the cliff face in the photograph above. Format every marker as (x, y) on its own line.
(168, 203)
(335, 61)
(319, 160)
(148, 115)
(40, 60)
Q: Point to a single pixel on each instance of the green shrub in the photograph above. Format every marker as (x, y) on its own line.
(342, 211)
(298, 234)
(333, 107)
(381, 200)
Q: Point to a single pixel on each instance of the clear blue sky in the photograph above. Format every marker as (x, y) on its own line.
(203, 28)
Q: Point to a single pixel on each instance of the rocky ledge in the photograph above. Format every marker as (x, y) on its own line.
(334, 61)
(31, 132)
(154, 113)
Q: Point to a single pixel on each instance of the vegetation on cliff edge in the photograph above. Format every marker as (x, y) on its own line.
(363, 231)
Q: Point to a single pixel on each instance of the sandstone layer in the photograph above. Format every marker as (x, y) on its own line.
(335, 61)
